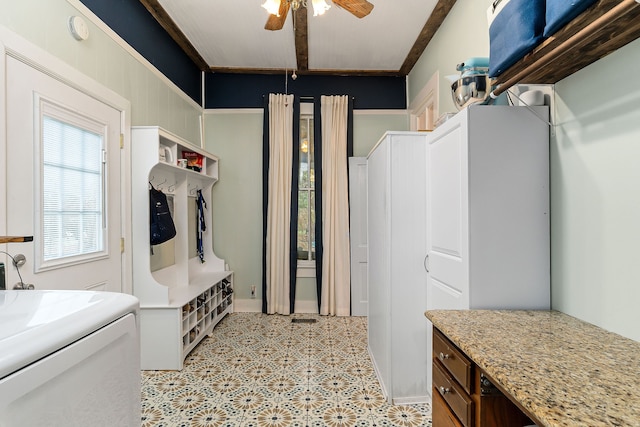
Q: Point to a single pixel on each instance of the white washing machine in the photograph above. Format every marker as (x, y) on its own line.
(69, 358)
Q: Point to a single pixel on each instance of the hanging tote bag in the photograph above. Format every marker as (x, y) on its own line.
(162, 227)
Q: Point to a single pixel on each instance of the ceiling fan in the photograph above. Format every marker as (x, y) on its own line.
(358, 8)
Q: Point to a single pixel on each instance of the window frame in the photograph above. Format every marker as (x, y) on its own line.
(307, 268)
(51, 109)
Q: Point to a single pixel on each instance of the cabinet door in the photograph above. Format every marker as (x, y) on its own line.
(358, 234)
(447, 218)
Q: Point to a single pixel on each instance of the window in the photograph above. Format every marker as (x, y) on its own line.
(306, 194)
(72, 213)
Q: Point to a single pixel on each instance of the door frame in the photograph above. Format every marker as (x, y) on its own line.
(19, 48)
(426, 104)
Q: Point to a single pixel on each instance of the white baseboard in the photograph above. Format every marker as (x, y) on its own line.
(307, 306)
(255, 306)
(379, 376)
(413, 400)
(247, 305)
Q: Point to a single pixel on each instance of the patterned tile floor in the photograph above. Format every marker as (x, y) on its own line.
(260, 370)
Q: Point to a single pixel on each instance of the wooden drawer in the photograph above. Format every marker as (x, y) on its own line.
(441, 415)
(459, 401)
(452, 359)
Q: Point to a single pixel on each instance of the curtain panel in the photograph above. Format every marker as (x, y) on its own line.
(332, 205)
(279, 205)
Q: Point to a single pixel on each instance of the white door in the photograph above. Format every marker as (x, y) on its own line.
(447, 218)
(358, 234)
(58, 191)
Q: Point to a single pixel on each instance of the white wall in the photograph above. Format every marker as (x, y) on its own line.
(154, 99)
(595, 204)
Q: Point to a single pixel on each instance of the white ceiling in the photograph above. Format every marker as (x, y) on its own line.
(231, 34)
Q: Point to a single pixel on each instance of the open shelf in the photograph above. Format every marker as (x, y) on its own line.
(603, 28)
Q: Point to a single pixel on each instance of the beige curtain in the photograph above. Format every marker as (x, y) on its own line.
(279, 202)
(336, 286)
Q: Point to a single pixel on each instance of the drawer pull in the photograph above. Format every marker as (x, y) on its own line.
(444, 390)
(443, 356)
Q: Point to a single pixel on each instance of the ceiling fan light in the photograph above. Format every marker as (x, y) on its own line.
(319, 7)
(272, 6)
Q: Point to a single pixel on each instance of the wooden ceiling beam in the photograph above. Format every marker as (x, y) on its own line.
(436, 18)
(163, 18)
(301, 34)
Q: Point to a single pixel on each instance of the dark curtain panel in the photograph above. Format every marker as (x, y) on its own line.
(317, 134)
(265, 198)
(293, 252)
(350, 150)
(317, 158)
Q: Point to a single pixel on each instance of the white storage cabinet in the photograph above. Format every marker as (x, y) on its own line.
(181, 302)
(488, 211)
(396, 209)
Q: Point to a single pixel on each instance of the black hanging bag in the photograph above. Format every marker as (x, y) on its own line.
(162, 227)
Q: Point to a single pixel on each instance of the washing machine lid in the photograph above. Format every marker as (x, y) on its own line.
(34, 324)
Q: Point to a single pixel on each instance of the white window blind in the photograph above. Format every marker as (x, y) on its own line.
(73, 190)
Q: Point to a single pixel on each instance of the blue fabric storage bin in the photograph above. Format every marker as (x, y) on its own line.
(514, 32)
(560, 12)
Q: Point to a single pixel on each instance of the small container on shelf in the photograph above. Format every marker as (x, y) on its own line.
(165, 154)
(194, 160)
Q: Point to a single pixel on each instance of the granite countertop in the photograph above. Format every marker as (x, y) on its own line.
(564, 371)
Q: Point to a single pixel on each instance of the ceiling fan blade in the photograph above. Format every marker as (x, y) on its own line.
(359, 8)
(277, 22)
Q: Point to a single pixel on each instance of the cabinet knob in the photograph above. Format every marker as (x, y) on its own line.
(443, 356)
(444, 390)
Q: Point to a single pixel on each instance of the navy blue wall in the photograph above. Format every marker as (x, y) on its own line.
(246, 90)
(133, 22)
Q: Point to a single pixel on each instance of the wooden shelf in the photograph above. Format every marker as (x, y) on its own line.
(603, 28)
